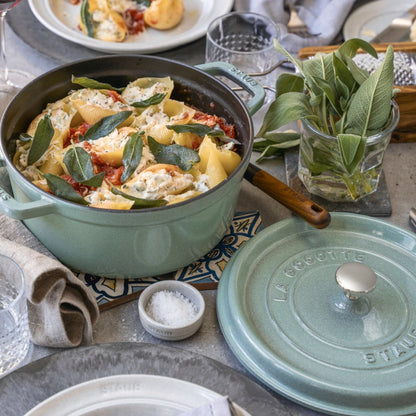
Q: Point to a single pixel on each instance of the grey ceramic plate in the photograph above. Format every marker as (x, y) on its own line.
(279, 310)
(28, 386)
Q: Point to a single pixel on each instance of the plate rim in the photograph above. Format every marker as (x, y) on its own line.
(347, 30)
(41, 10)
(92, 386)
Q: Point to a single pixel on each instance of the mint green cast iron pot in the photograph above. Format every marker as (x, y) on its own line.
(136, 243)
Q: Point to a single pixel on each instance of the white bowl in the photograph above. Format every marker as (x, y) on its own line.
(167, 332)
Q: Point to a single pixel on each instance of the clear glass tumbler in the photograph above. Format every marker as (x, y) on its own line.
(14, 328)
(245, 40)
(321, 169)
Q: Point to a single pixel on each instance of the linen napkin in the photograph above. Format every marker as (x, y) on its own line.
(61, 309)
(323, 17)
(217, 407)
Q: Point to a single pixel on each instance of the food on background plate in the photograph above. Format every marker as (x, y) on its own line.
(124, 148)
(115, 20)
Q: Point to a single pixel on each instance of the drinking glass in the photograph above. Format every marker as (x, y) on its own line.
(246, 40)
(14, 328)
(11, 80)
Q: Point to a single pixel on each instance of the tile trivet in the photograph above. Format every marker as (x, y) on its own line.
(377, 204)
(203, 273)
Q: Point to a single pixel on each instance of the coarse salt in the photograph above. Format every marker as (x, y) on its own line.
(171, 308)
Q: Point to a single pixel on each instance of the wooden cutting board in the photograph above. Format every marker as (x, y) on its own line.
(405, 98)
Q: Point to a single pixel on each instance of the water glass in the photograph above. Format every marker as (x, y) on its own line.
(14, 328)
(246, 40)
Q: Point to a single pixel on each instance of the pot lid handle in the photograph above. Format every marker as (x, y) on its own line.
(356, 279)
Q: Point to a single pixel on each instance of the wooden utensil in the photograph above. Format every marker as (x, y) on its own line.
(306, 209)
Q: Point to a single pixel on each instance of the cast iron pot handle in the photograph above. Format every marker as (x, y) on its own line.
(21, 210)
(240, 78)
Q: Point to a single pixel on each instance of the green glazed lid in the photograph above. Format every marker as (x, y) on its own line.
(327, 317)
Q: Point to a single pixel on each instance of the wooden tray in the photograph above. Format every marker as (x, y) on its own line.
(405, 98)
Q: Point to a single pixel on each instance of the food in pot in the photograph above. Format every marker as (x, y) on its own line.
(115, 20)
(126, 148)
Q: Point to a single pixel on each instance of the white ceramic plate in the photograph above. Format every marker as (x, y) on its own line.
(369, 20)
(128, 395)
(61, 17)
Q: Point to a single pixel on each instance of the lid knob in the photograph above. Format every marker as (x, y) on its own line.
(356, 279)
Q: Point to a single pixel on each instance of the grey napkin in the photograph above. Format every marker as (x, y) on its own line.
(61, 309)
(323, 17)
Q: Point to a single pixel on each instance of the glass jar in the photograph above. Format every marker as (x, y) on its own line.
(321, 169)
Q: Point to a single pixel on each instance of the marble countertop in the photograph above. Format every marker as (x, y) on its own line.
(121, 324)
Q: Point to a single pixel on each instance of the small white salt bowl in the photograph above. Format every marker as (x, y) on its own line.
(174, 331)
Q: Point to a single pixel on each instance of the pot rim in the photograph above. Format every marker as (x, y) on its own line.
(60, 201)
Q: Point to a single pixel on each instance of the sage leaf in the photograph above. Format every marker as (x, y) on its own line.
(296, 62)
(79, 164)
(360, 75)
(202, 130)
(319, 68)
(343, 75)
(105, 126)
(173, 154)
(139, 202)
(62, 189)
(93, 84)
(275, 144)
(288, 139)
(350, 47)
(286, 108)
(132, 153)
(86, 18)
(41, 140)
(370, 107)
(144, 3)
(153, 100)
(351, 147)
(289, 83)
(330, 92)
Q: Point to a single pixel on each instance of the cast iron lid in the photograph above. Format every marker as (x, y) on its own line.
(327, 317)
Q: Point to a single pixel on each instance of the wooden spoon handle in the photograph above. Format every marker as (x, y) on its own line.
(308, 210)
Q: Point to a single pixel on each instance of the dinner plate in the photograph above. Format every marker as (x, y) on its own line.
(61, 17)
(128, 395)
(27, 386)
(289, 322)
(369, 20)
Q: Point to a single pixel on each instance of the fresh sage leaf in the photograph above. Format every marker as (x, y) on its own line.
(359, 74)
(153, 100)
(132, 153)
(79, 164)
(286, 108)
(370, 106)
(93, 84)
(86, 18)
(352, 149)
(173, 154)
(289, 83)
(139, 202)
(144, 3)
(105, 126)
(350, 47)
(330, 92)
(41, 140)
(62, 189)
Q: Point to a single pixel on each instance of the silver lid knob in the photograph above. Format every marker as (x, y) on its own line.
(356, 279)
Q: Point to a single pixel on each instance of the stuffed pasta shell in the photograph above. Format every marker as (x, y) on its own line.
(97, 147)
